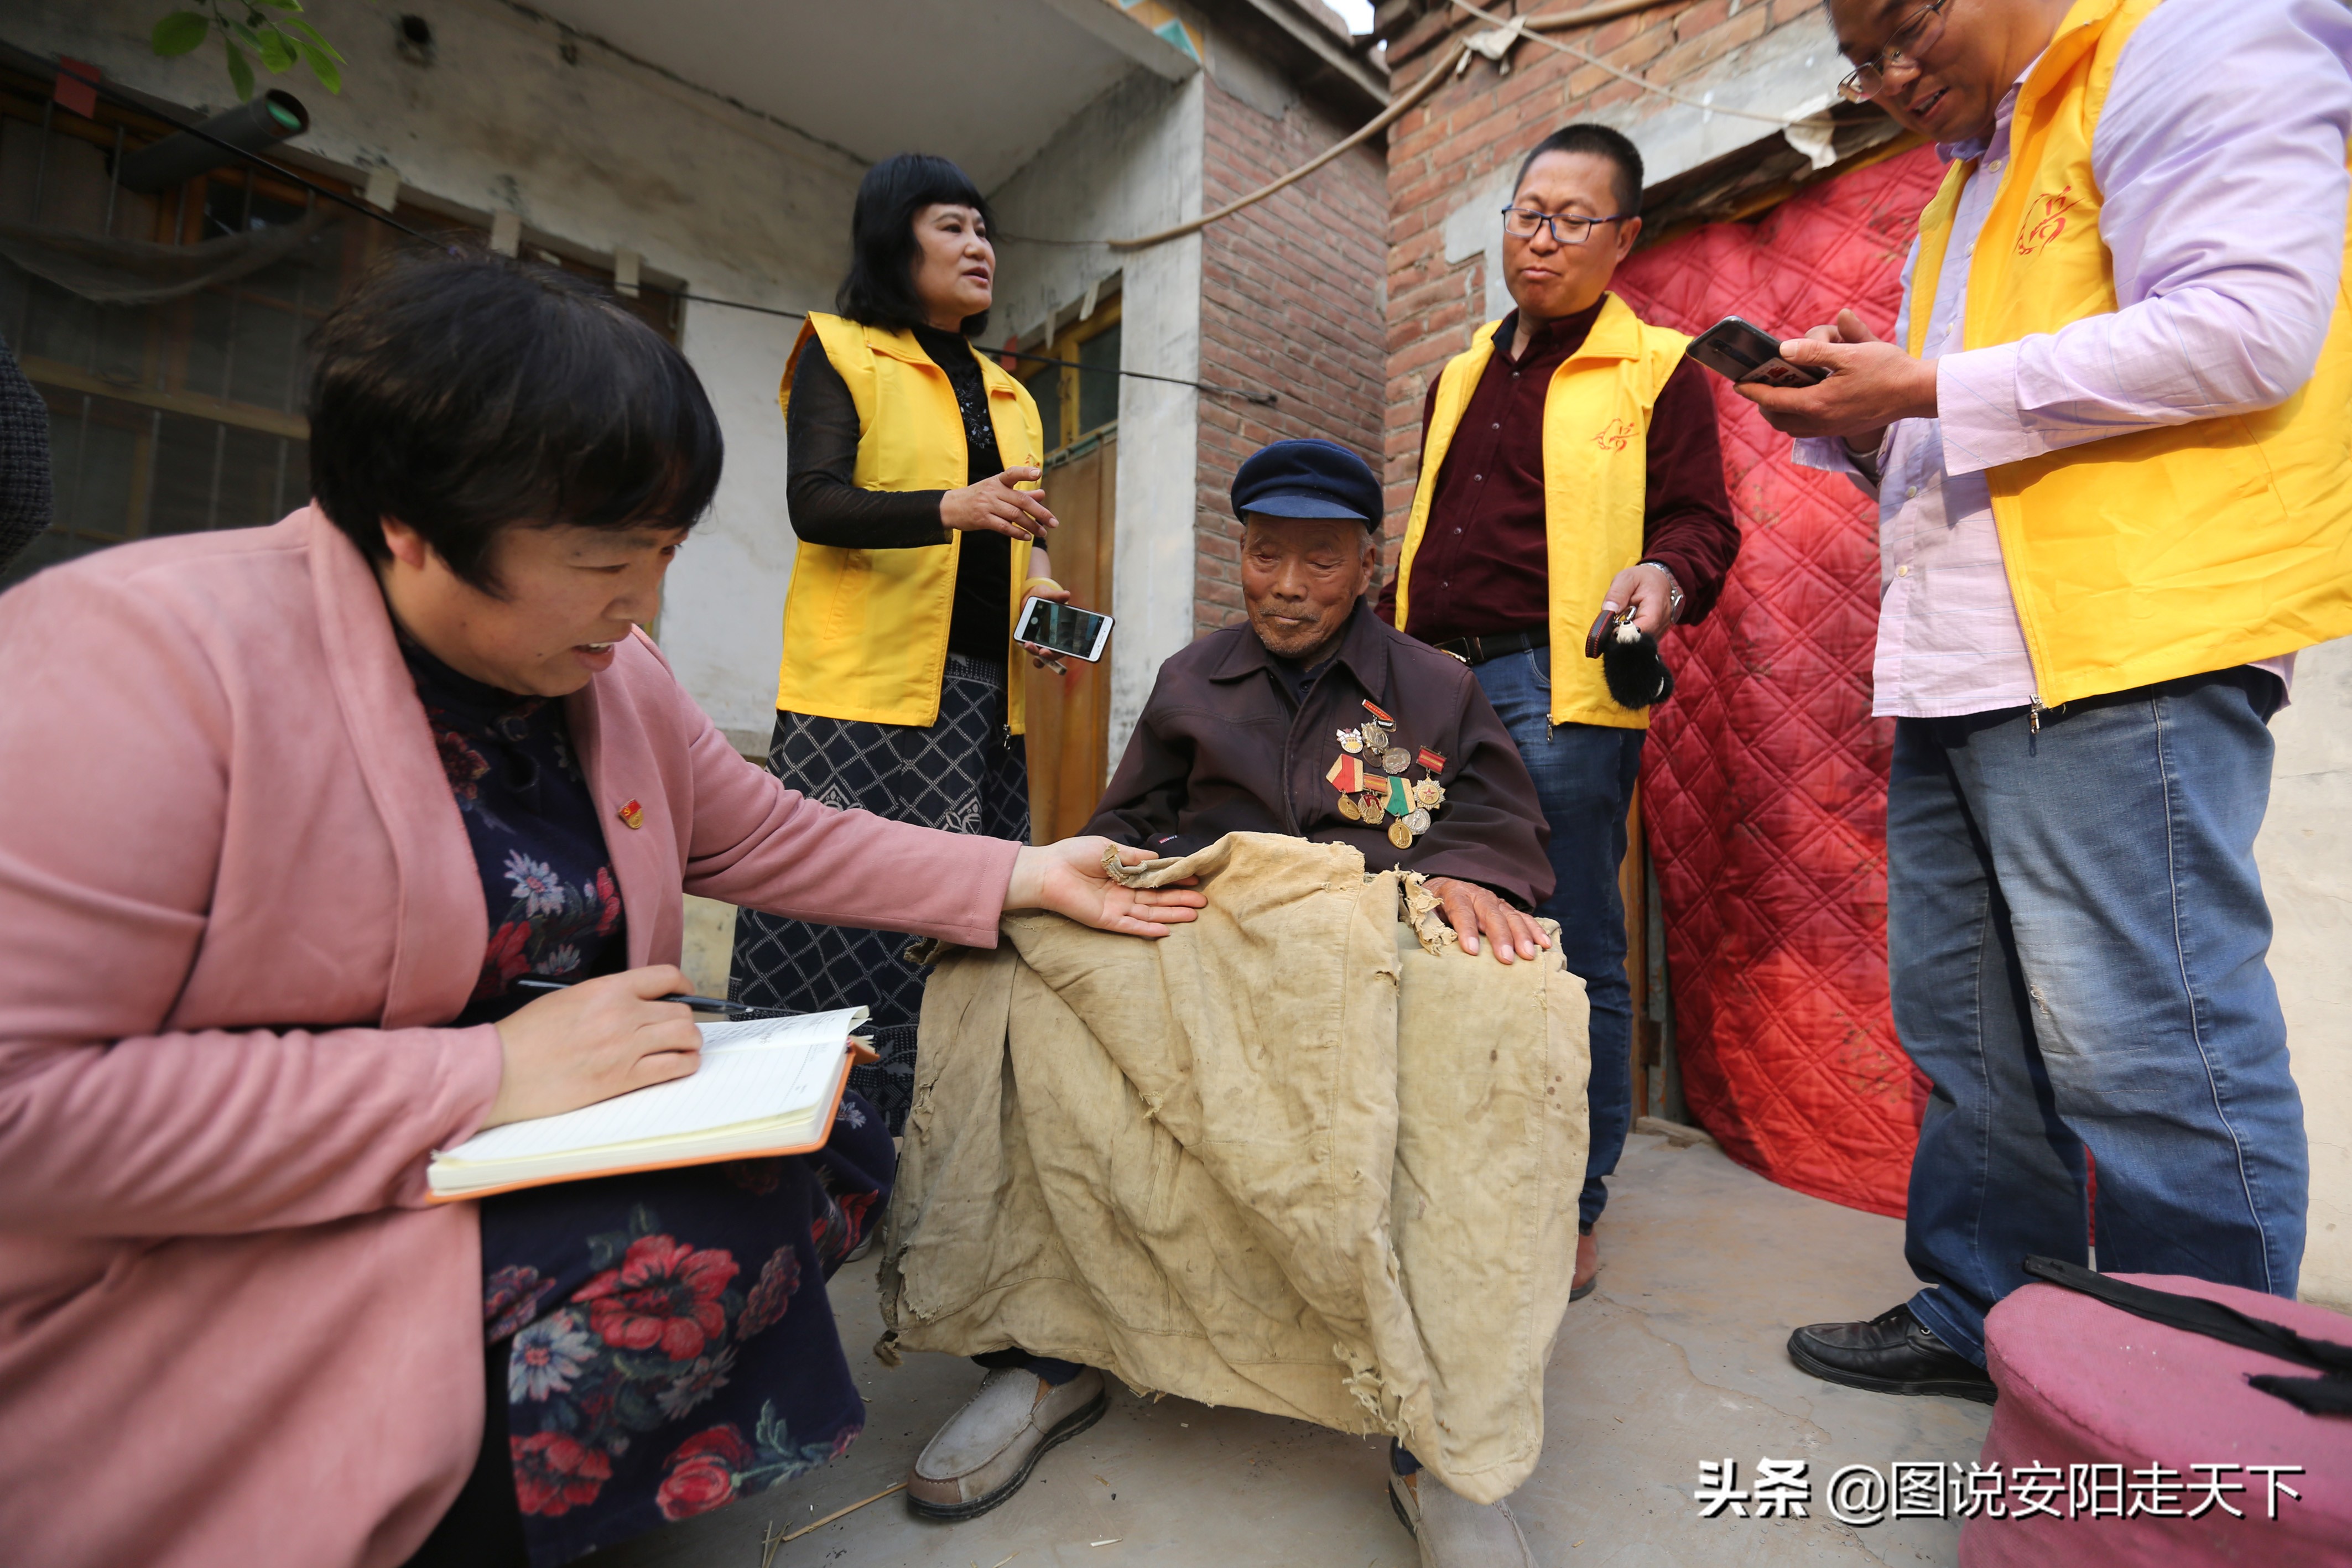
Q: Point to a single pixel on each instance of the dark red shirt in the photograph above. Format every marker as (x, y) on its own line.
(1482, 569)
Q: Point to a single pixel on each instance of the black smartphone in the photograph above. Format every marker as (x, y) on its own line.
(1744, 351)
(1064, 628)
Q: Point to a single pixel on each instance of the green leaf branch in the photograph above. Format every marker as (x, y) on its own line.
(272, 30)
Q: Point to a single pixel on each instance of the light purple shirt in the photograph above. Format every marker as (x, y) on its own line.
(2220, 161)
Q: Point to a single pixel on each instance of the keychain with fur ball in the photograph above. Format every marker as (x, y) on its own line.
(1630, 661)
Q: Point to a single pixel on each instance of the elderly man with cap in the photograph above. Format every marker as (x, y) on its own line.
(1296, 723)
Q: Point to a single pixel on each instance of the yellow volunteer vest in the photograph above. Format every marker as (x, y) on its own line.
(2166, 552)
(866, 631)
(1596, 435)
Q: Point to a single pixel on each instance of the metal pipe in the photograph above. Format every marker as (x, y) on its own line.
(248, 128)
(115, 182)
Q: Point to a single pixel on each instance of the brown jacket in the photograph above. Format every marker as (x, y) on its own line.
(1224, 748)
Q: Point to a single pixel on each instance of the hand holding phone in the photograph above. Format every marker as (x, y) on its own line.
(1855, 385)
(1745, 352)
(1064, 628)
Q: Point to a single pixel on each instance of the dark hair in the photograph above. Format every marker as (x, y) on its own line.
(880, 289)
(464, 393)
(1600, 141)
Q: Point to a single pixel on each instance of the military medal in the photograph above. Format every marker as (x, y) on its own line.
(1372, 797)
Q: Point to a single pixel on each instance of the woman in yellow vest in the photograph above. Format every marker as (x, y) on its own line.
(900, 691)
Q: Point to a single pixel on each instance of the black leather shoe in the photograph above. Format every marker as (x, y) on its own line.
(1894, 1352)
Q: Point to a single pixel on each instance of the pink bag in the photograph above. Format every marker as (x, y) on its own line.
(2119, 1440)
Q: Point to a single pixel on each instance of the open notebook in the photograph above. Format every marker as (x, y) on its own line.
(769, 1086)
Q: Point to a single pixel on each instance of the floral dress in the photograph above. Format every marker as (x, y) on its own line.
(660, 1344)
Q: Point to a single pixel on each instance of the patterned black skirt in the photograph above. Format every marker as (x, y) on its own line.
(963, 774)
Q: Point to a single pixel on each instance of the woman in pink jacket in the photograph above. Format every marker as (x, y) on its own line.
(285, 813)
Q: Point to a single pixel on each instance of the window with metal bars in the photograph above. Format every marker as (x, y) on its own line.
(187, 415)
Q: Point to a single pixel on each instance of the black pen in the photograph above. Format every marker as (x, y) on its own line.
(701, 1004)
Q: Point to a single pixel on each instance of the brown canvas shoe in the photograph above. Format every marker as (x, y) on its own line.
(1587, 1267)
(988, 1449)
(1454, 1532)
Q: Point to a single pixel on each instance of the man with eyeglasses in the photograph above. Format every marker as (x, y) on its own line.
(2112, 447)
(1570, 467)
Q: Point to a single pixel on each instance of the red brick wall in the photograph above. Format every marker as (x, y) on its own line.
(1290, 303)
(1469, 128)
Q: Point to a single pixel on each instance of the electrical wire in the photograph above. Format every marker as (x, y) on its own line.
(368, 210)
(1526, 27)
(1531, 28)
(1378, 123)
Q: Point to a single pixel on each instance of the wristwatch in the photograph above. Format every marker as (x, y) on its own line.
(1673, 590)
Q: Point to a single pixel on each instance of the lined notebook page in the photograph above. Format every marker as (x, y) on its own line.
(750, 1071)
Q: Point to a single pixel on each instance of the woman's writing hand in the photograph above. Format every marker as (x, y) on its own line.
(994, 505)
(1068, 879)
(592, 1041)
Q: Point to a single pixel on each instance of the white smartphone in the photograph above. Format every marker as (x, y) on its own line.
(1064, 628)
(1745, 352)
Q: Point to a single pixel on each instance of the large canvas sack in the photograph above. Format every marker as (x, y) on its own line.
(1304, 1155)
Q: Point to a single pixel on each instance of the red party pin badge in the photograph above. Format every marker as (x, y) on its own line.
(632, 815)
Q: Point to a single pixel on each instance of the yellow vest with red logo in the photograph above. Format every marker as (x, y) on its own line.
(1596, 429)
(866, 631)
(2166, 552)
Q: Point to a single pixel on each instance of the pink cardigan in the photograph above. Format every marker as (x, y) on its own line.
(236, 903)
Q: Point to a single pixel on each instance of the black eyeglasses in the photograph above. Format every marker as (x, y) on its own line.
(1565, 228)
(1912, 38)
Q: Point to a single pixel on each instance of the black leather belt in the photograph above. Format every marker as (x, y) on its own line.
(1480, 649)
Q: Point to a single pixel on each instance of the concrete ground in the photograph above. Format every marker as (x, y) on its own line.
(1676, 1358)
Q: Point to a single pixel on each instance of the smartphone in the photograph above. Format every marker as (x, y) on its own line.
(1064, 628)
(1745, 352)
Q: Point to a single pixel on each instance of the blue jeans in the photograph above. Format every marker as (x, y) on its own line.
(1584, 776)
(2075, 931)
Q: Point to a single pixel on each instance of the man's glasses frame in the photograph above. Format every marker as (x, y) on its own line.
(1579, 229)
(1913, 37)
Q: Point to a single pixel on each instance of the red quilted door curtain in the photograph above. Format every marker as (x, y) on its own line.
(1764, 783)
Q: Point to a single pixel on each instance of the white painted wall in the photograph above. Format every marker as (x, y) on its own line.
(1129, 164)
(607, 155)
(2306, 852)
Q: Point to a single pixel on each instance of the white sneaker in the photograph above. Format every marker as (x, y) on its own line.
(1453, 1531)
(988, 1449)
